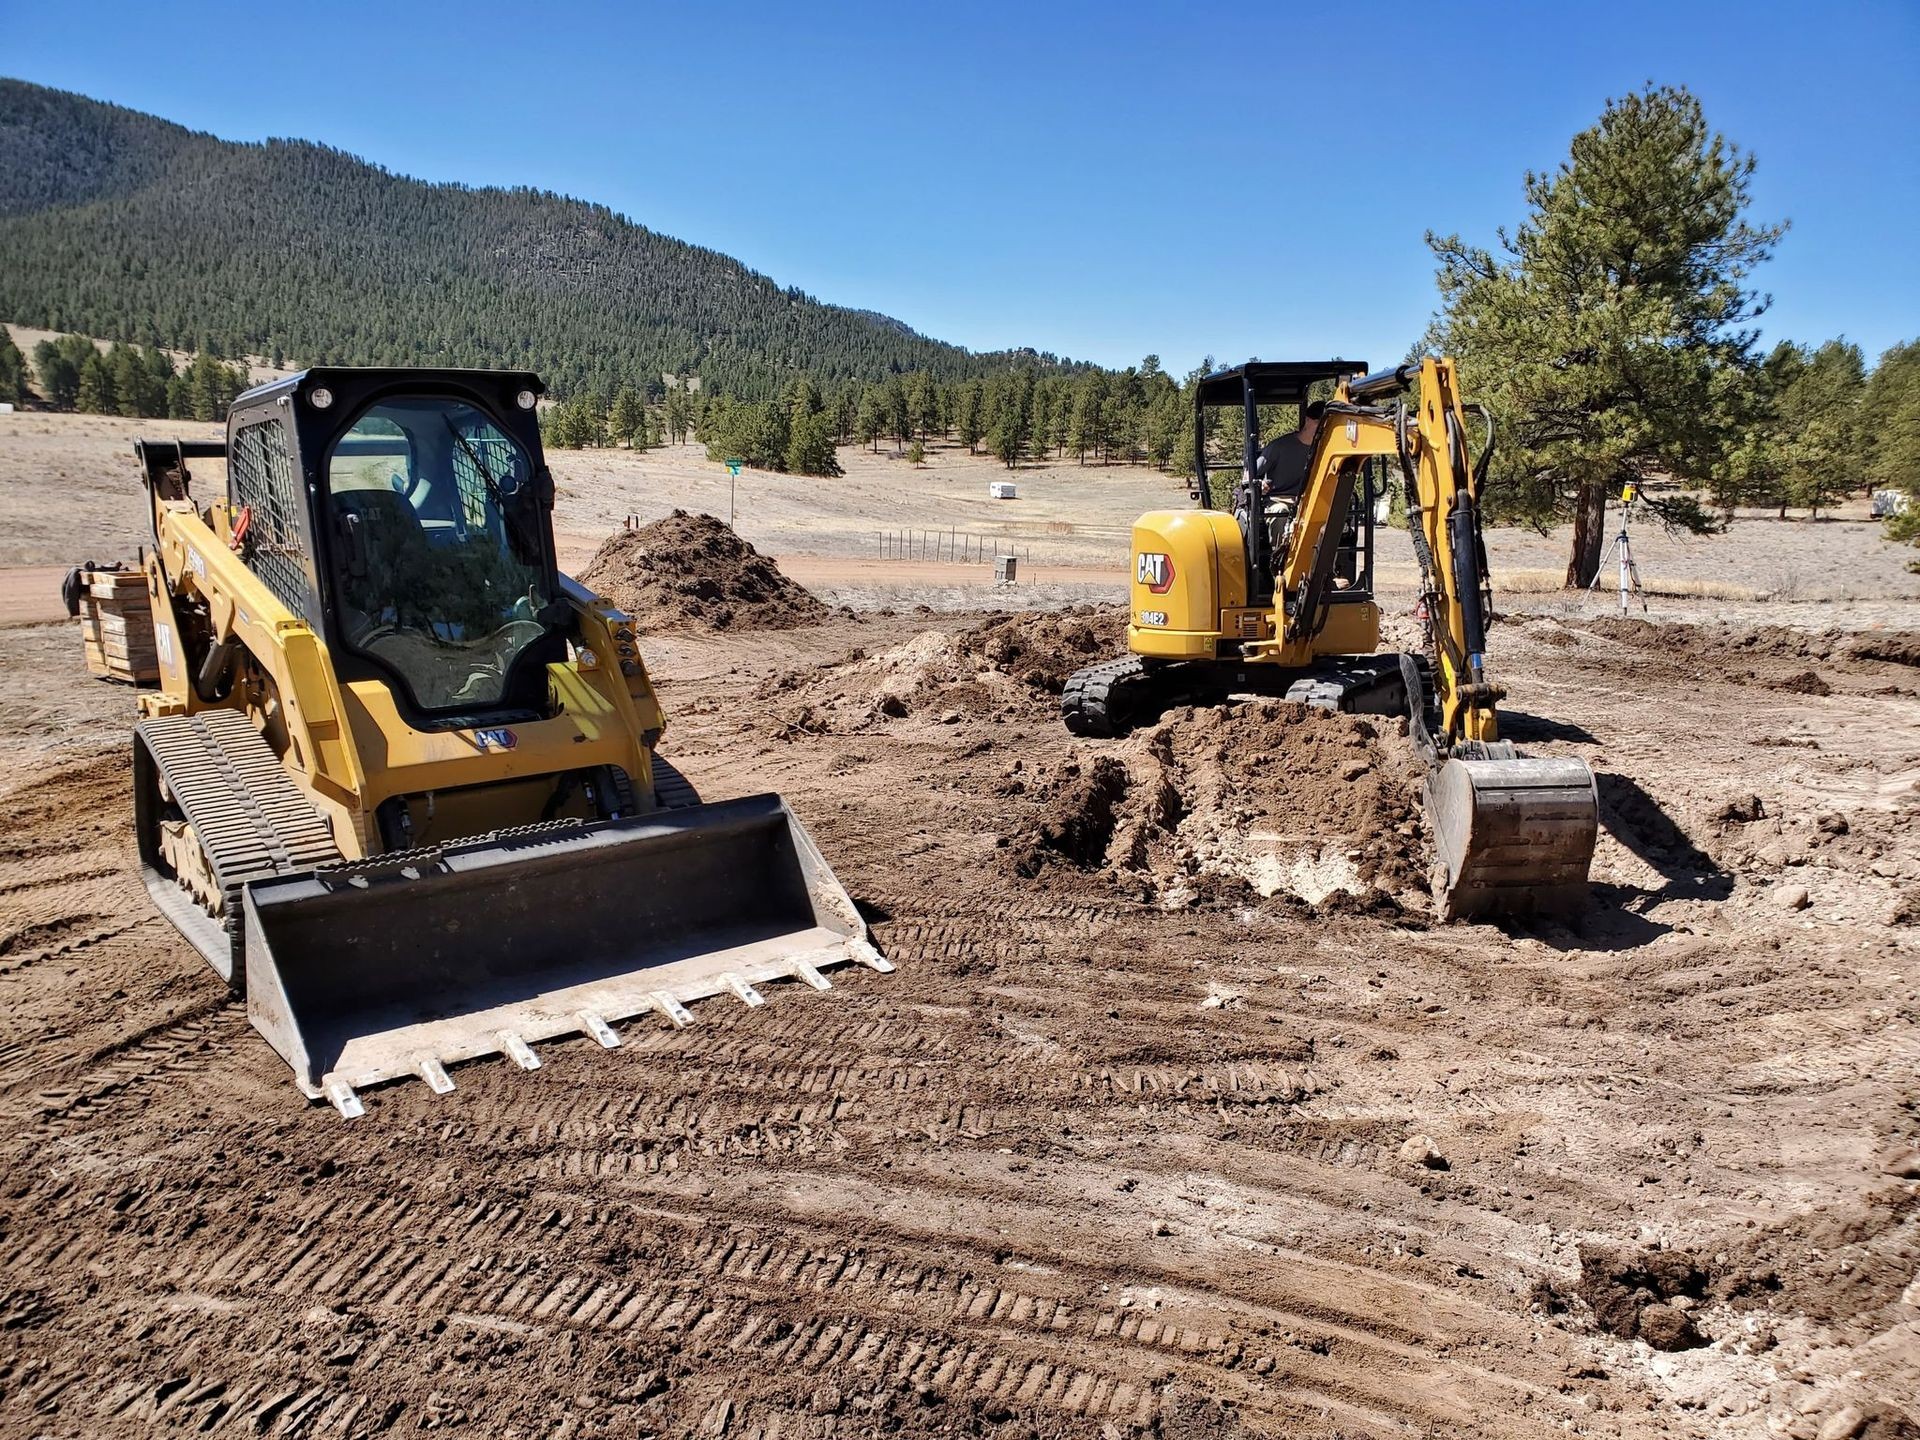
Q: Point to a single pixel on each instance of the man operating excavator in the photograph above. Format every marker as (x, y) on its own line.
(1280, 473)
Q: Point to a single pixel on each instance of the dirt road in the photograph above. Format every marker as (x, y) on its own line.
(1124, 1146)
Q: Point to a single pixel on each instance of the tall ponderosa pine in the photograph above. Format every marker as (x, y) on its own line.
(1608, 336)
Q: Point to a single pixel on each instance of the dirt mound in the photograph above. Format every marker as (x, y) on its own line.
(1801, 682)
(1632, 1294)
(1275, 797)
(1719, 642)
(692, 572)
(1008, 667)
(1900, 647)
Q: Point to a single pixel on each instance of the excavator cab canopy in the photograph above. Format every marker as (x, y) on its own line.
(1248, 387)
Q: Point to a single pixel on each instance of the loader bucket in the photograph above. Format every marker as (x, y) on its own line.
(1514, 837)
(406, 964)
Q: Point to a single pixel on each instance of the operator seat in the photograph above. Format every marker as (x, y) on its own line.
(393, 561)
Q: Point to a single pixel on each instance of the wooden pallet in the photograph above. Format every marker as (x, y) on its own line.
(116, 626)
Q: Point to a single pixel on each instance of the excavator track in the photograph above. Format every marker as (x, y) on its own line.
(250, 820)
(1102, 699)
(1112, 697)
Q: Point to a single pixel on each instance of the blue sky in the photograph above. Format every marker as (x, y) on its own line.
(1101, 180)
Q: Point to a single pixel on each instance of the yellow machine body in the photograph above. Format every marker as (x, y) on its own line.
(397, 780)
(1276, 595)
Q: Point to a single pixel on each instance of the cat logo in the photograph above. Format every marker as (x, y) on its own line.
(1353, 432)
(1154, 571)
(497, 739)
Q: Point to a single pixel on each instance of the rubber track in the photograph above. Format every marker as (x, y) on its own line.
(250, 817)
(1093, 701)
(671, 789)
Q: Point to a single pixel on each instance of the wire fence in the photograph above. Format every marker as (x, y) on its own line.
(954, 546)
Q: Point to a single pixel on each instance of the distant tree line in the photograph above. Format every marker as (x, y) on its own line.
(1136, 416)
(73, 373)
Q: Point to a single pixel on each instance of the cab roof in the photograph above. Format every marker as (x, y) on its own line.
(1275, 382)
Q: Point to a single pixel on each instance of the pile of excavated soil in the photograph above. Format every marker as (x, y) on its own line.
(1633, 1294)
(1008, 667)
(1268, 796)
(693, 572)
(1749, 653)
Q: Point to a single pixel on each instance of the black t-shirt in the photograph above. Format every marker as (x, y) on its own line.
(1283, 466)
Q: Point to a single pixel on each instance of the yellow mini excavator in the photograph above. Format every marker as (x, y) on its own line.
(1273, 594)
(398, 781)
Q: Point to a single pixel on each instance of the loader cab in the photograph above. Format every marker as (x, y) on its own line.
(405, 514)
(1239, 410)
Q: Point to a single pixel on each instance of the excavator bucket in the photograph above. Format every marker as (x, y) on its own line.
(405, 964)
(1514, 836)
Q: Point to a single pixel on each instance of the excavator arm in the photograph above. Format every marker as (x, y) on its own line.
(1512, 833)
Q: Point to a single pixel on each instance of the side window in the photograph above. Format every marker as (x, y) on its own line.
(261, 481)
(374, 455)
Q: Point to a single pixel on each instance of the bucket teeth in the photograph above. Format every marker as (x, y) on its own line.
(341, 1096)
(677, 1014)
(435, 1074)
(870, 957)
(803, 970)
(604, 1034)
(744, 992)
(519, 1051)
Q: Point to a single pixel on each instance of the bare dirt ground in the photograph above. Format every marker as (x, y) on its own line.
(1176, 1118)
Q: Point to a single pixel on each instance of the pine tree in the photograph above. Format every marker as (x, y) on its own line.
(623, 421)
(923, 404)
(1608, 339)
(13, 371)
(679, 415)
(810, 445)
(917, 454)
(870, 420)
(1892, 401)
(1088, 425)
(1807, 451)
(96, 395)
(970, 417)
(58, 362)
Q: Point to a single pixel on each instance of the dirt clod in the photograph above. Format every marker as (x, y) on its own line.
(1628, 1291)
(1802, 682)
(1420, 1150)
(1791, 897)
(692, 572)
(1078, 823)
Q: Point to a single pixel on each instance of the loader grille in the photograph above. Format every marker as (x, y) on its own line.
(259, 475)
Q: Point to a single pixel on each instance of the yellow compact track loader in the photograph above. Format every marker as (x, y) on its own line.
(1268, 588)
(397, 781)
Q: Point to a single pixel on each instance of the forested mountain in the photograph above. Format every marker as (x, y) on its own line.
(118, 224)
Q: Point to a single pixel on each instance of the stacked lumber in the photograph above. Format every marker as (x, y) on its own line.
(116, 626)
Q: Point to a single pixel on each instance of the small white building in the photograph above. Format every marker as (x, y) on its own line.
(1002, 490)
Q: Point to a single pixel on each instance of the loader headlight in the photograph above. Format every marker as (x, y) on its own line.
(586, 659)
(524, 399)
(320, 399)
